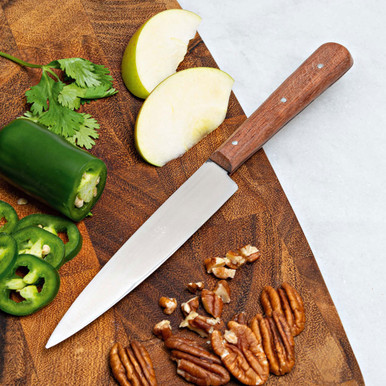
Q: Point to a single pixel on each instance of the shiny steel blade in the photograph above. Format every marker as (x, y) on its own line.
(181, 215)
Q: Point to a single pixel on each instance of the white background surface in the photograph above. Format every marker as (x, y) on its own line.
(330, 159)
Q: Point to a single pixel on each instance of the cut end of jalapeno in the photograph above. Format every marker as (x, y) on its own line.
(88, 191)
(26, 295)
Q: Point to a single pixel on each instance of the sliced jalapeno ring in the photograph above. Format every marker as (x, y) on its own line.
(8, 253)
(56, 225)
(8, 217)
(36, 289)
(40, 243)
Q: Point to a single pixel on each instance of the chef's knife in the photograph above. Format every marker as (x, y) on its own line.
(186, 210)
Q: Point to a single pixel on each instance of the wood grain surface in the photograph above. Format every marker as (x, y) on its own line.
(259, 213)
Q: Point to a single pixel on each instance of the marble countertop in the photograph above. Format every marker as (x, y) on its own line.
(330, 159)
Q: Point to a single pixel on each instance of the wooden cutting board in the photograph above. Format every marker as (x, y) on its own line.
(259, 213)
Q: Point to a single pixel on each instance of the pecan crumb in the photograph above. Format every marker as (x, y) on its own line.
(250, 253)
(223, 273)
(214, 262)
(222, 289)
(163, 329)
(168, 304)
(190, 305)
(194, 287)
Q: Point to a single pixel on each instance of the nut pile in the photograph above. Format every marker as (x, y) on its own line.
(247, 351)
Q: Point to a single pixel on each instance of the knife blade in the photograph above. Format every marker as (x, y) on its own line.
(196, 200)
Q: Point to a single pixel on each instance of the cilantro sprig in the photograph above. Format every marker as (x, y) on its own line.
(53, 102)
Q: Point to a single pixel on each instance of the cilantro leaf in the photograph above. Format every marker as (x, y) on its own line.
(53, 101)
(70, 96)
(86, 134)
(81, 70)
(37, 95)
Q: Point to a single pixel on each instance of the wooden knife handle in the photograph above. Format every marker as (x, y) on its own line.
(325, 66)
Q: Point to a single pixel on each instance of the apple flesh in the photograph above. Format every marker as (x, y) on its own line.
(156, 49)
(180, 111)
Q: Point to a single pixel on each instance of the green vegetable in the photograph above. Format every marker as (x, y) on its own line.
(37, 288)
(8, 253)
(53, 102)
(49, 168)
(40, 243)
(56, 225)
(8, 217)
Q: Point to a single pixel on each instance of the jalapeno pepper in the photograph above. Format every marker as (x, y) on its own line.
(36, 289)
(51, 169)
(40, 243)
(8, 217)
(8, 253)
(56, 225)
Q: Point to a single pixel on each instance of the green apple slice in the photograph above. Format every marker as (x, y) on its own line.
(180, 111)
(156, 49)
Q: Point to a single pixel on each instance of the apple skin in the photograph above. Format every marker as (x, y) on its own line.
(203, 125)
(129, 68)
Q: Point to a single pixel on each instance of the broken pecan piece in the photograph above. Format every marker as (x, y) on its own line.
(168, 304)
(278, 342)
(190, 305)
(163, 330)
(222, 289)
(196, 364)
(234, 260)
(250, 253)
(288, 302)
(245, 359)
(203, 325)
(194, 287)
(132, 366)
(223, 273)
(214, 262)
(212, 303)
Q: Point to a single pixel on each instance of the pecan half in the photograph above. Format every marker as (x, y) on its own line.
(278, 342)
(222, 289)
(288, 302)
(245, 359)
(168, 304)
(212, 303)
(132, 366)
(190, 305)
(293, 307)
(196, 364)
(163, 330)
(194, 287)
(270, 300)
(203, 325)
